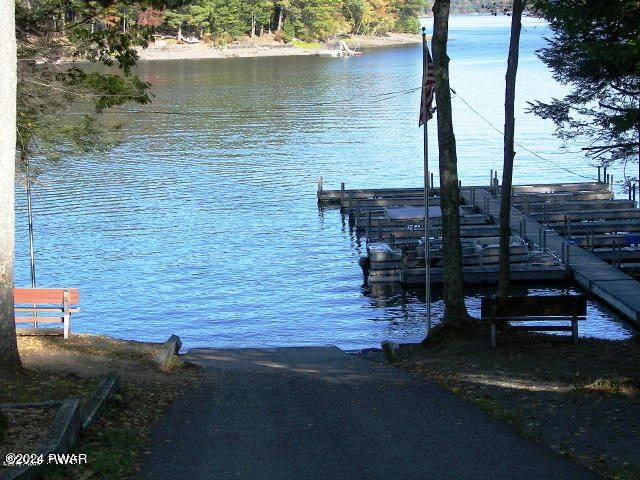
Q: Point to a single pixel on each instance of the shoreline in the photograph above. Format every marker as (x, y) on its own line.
(165, 50)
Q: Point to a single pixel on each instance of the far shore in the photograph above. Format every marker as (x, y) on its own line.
(170, 50)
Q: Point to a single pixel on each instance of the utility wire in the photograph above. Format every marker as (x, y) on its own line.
(518, 144)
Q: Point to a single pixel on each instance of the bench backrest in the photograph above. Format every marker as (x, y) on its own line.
(521, 307)
(47, 296)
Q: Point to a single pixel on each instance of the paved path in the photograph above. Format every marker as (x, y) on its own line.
(318, 413)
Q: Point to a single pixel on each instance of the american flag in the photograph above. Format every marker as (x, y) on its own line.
(428, 87)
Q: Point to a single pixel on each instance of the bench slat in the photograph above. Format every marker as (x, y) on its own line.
(39, 331)
(45, 309)
(39, 319)
(44, 295)
(543, 328)
(549, 306)
(540, 319)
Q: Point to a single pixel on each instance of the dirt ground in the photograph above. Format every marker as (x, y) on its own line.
(580, 400)
(55, 369)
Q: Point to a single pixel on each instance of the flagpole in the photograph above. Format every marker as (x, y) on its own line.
(427, 222)
(31, 252)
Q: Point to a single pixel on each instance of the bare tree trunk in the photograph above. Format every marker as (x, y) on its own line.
(9, 358)
(455, 310)
(280, 13)
(253, 25)
(509, 154)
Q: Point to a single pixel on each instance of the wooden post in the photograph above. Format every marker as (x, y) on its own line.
(320, 182)
(431, 187)
(611, 184)
(540, 237)
(341, 194)
(599, 175)
(66, 313)
(521, 230)
(569, 229)
(491, 180)
(574, 329)
(493, 334)
(368, 222)
(473, 197)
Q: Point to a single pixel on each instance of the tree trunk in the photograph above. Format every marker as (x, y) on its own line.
(455, 313)
(253, 26)
(509, 154)
(280, 13)
(9, 358)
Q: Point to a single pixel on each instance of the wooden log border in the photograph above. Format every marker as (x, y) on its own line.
(70, 420)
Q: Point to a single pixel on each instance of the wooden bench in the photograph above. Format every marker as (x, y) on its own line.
(57, 303)
(558, 308)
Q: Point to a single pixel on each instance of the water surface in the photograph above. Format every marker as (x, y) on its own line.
(204, 221)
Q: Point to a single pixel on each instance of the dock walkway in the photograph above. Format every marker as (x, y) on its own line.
(319, 413)
(596, 276)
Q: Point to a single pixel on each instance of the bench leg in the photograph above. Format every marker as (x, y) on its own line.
(493, 335)
(574, 330)
(66, 314)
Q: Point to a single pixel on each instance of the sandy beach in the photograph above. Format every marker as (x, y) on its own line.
(266, 47)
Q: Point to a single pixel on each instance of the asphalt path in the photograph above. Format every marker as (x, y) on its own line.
(319, 413)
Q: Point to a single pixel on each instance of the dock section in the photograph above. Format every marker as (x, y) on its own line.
(560, 232)
(580, 254)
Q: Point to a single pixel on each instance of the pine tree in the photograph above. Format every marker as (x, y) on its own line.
(596, 52)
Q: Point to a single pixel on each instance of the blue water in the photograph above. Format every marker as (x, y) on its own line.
(205, 223)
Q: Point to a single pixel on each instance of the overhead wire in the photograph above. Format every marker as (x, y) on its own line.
(457, 95)
(377, 98)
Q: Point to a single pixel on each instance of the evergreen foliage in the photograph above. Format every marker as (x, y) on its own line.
(595, 50)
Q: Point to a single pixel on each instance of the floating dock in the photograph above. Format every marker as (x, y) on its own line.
(560, 232)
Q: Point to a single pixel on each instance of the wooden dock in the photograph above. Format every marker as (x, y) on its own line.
(573, 230)
(595, 275)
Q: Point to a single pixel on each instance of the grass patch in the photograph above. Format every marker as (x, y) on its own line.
(38, 386)
(307, 45)
(115, 443)
(56, 369)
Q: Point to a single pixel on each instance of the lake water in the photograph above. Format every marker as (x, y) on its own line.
(204, 222)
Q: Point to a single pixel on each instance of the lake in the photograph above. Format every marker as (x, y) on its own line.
(204, 221)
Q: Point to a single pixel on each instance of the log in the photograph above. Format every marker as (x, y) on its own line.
(390, 350)
(167, 351)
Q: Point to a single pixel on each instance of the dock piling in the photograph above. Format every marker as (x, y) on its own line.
(599, 180)
(342, 195)
(320, 184)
